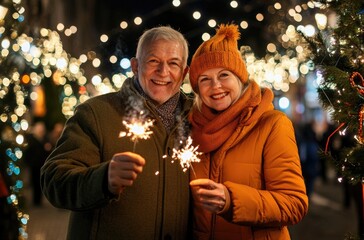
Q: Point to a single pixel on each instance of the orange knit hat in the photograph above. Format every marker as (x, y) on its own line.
(219, 51)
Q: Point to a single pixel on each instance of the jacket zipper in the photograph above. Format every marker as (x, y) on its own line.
(213, 221)
(213, 216)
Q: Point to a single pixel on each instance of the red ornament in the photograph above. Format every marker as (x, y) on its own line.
(357, 81)
(360, 129)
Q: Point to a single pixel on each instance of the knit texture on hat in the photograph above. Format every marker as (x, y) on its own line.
(219, 51)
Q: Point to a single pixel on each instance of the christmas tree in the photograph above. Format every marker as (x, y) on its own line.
(338, 53)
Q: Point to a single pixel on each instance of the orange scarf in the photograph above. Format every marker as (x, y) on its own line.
(210, 129)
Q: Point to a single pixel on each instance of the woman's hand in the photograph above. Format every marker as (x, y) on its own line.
(209, 194)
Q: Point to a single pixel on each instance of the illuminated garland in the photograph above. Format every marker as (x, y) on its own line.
(25, 63)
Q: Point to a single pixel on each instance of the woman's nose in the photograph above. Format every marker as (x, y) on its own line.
(215, 83)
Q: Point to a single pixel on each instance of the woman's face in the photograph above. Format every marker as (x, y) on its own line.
(219, 88)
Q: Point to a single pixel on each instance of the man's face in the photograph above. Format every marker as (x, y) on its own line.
(160, 70)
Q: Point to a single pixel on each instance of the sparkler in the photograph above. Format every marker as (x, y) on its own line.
(187, 155)
(137, 129)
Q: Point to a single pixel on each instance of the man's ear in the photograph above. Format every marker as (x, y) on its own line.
(185, 71)
(134, 65)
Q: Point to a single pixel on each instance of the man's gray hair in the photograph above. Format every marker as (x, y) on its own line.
(162, 33)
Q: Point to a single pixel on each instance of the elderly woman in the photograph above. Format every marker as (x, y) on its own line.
(249, 183)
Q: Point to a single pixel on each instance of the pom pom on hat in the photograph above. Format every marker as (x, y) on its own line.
(219, 51)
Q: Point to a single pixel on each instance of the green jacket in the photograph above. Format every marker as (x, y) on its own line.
(74, 176)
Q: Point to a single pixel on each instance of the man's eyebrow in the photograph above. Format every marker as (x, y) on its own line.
(176, 58)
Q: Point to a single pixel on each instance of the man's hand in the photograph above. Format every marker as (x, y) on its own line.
(123, 170)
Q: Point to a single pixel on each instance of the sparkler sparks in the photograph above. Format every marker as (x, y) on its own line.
(137, 129)
(187, 155)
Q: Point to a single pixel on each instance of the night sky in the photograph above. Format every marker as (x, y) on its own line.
(110, 13)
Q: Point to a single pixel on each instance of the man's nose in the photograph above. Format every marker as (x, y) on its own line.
(163, 68)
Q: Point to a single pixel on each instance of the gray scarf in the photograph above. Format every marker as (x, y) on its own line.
(167, 111)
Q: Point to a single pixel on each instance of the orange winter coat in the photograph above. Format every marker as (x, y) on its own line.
(260, 167)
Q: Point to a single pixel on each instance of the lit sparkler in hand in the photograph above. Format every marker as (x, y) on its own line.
(137, 129)
(187, 155)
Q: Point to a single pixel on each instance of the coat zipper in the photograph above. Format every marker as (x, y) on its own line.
(213, 221)
(213, 216)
